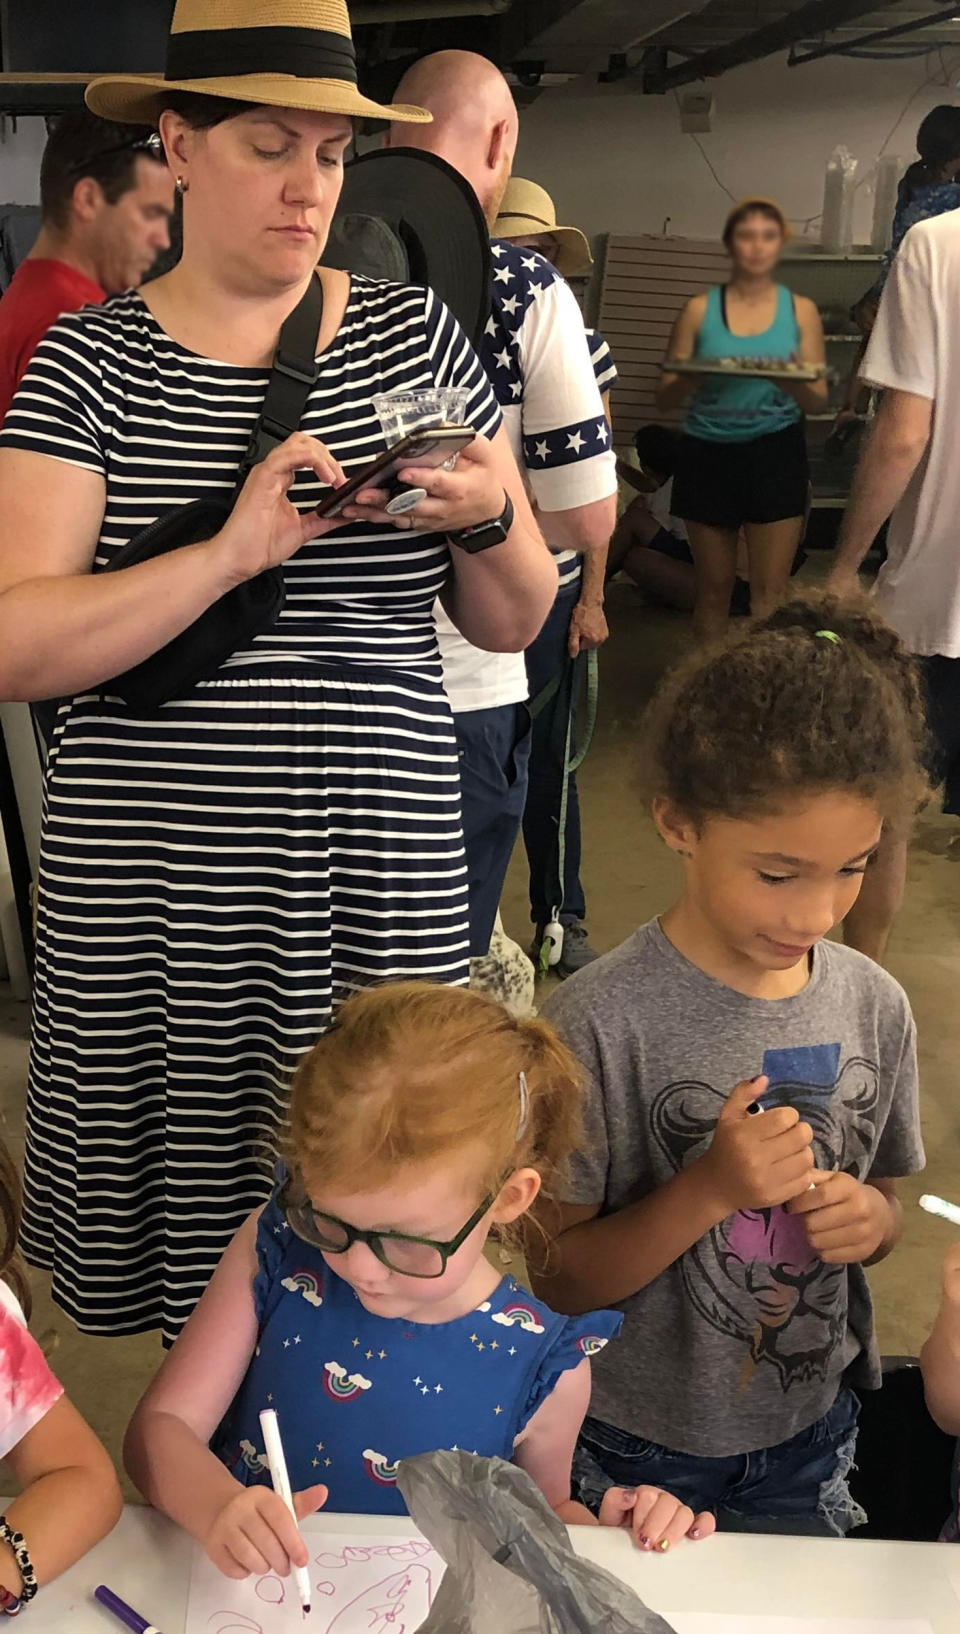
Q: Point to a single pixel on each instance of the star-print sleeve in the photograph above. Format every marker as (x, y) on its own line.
(456, 363)
(28, 1389)
(576, 1338)
(566, 438)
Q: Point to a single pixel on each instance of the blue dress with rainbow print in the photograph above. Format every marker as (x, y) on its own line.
(357, 1392)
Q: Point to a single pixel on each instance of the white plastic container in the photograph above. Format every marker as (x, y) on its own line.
(405, 411)
(836, 233)
(889, 171)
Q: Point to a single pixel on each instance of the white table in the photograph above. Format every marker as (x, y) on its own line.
(147, 1561)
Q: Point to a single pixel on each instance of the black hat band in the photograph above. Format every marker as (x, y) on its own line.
(221, 53)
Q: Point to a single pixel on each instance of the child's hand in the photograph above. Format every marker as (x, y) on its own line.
(846, 1219)
(255, 1532)
(656, 1519)
(757, 1162)
(951, 1278)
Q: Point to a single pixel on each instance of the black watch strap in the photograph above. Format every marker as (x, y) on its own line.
(483, 535)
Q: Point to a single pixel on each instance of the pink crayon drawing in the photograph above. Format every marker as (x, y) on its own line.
(412, 1549)
(272, 1590)
(363, 1585)
(229, 1622)
(399, 1603)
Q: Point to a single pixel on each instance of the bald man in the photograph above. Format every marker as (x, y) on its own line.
(535, 352)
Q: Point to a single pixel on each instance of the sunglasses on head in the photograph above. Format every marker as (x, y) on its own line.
(150, 146)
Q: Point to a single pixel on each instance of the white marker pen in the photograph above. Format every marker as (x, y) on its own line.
(937, 1205)
(273, 1447)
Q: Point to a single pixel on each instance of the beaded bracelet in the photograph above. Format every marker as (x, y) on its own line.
(21, 1555)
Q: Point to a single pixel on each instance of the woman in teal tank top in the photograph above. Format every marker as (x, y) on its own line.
(742, 463)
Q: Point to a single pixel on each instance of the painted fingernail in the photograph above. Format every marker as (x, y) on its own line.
(663, 1545)
(696, 1533)
(644, 1543)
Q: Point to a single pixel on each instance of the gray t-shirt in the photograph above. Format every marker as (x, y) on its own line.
(745, 1339)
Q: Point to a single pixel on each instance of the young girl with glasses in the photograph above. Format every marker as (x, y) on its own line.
(359, 1302)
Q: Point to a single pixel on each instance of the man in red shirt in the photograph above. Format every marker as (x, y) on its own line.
(106, 198)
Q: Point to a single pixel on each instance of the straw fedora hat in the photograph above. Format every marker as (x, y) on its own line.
(280, 53)
(527, 209)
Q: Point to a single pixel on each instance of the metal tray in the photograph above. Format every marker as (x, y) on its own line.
(745, 371)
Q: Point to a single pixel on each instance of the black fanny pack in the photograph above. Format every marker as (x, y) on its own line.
(251, 608)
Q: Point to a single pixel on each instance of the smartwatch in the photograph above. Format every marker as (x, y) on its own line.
(483, 535)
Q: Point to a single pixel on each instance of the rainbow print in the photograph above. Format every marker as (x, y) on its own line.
(341, 1385)
(307, 1284)
(591, 1344)
(518, 1316)
(252, 1459)
(380, 1469)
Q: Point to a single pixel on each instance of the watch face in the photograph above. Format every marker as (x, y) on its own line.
(483, 536)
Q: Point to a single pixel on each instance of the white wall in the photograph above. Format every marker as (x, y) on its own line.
(620, 163)
(20, 155)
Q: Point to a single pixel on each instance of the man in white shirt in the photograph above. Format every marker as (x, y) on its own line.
(535, 351)
(910, 473)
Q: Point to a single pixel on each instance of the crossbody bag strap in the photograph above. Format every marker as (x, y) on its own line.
(293, 372)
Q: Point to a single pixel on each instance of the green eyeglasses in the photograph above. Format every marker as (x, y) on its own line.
(398, 1251)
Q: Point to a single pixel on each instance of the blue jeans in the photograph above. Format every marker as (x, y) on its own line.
(799, 1486)
(493, 746)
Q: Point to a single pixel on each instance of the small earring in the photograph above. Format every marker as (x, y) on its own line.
(182, 186)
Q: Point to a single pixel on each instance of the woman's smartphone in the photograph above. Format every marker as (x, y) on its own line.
(430, 448)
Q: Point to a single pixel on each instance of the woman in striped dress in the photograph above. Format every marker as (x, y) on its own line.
(215, 871)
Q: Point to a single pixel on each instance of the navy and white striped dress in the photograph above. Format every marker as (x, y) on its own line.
(213, 874)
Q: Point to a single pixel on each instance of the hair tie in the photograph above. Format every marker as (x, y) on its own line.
(524, 1118)
(828, 635)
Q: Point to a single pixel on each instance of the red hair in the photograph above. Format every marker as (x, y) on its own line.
(412, 1072)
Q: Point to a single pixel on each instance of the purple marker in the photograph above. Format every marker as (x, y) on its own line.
(124, 1613)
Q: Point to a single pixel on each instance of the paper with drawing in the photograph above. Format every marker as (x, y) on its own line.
(373, 1585)
(361, 1585)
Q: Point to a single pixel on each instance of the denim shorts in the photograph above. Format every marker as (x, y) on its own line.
(799, 1486)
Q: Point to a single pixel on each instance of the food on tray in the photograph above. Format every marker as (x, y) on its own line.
(776, 367)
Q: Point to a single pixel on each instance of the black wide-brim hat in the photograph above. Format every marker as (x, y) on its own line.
(434, 226)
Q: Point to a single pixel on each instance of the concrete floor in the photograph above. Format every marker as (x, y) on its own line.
(629, 877)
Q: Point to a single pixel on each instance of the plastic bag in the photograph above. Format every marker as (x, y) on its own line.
(511, 1568)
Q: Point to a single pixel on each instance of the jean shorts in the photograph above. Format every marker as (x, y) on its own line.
(797, 1487)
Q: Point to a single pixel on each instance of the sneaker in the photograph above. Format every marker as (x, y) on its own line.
(576, 953)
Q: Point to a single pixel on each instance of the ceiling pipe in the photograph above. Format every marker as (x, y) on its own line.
(838, 47)
(816, 17)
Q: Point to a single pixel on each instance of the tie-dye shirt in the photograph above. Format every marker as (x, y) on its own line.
(357, 1392)
(28, 1389)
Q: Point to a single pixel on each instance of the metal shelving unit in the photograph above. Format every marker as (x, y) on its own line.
(835, 283)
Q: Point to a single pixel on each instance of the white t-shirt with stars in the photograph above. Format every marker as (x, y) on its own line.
(536, 354)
